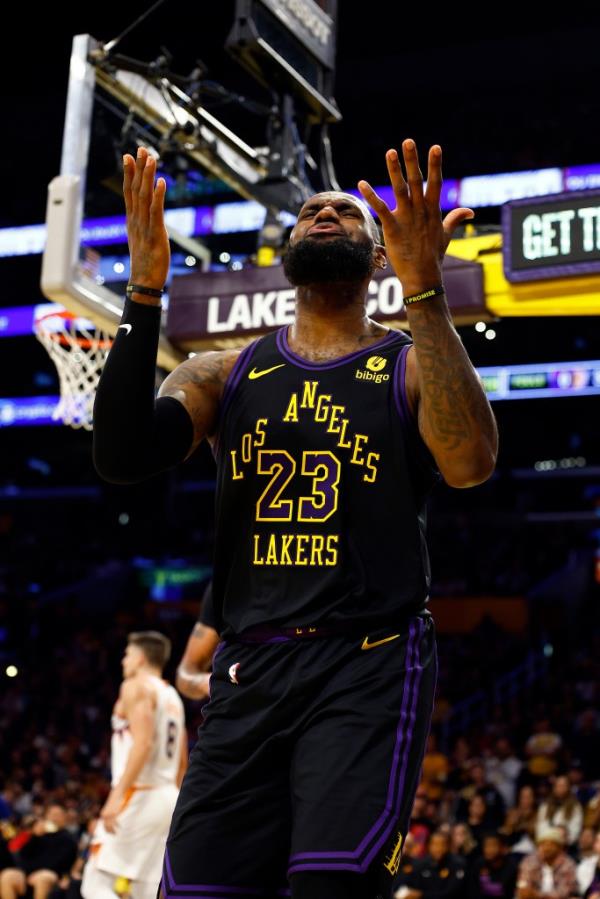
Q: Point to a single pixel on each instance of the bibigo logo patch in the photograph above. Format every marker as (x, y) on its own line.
(374, 370)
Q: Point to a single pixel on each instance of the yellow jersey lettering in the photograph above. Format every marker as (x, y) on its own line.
(260, 432)
(286, 539)
(300, 540)
(368, 464)
(341, 442)
(332, 540)
(237, 475)
(316, 550)
(246, 447)
(272, 550)
(310, 394)
(320, 413)
(257, 560)
(334, 421)
(292, 409)
(359, 439)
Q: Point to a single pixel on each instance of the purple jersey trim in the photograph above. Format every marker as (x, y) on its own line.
(230, 386)
(422, 452)
(307, 861)
(291, 356)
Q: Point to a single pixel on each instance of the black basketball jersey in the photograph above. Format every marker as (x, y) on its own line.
(322, 481)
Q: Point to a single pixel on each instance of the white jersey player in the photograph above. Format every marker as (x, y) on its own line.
(148, 761)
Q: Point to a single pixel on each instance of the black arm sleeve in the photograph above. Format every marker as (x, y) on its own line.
(135, 435)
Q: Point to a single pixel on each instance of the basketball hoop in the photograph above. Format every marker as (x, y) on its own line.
(79, 355)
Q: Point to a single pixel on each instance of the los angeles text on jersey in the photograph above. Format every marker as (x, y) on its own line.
(316, 476)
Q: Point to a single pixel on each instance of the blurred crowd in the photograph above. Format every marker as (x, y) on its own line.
(508, 805)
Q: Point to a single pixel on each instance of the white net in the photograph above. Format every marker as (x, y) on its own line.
(78, 351)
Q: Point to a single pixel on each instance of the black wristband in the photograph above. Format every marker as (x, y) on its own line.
(432, 292)
(139, 288)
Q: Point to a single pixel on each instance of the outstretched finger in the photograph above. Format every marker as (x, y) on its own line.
(434, 177)
(128, 169)
(140, 162)
(157, 207)
(147, 187)
(399, 185)
(374, 201)
(414, 175)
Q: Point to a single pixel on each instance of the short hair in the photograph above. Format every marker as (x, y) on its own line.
(440, 833)
(155, 646)
(495, 835)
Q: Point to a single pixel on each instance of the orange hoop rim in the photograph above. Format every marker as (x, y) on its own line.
(84, 342)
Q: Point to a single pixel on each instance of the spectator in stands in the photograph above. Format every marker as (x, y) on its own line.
(478, 819)
(588, 858)
(548, 873)
(562, 807)
(543, 749)
(495, 873)
(502, 769)
(591, 814)
(458, 777)
(479, 786)
(520, 823)
(421, 826)
(435, 769)
(45, 857)
(439, 875)
(463, 844)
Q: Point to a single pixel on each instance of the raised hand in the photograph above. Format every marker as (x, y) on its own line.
(146, 232)
(416, 237)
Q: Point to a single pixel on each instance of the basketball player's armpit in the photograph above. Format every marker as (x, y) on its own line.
(198, 384)
(136, 436)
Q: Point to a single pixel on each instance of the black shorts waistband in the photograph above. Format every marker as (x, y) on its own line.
(355, 628)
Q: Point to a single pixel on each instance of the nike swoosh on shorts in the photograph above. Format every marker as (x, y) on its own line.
(367, 645)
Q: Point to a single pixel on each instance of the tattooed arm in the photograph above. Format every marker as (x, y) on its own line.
(198, 384)
(454, 415)
(135, 435)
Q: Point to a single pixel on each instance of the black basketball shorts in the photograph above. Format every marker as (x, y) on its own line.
(308, 759)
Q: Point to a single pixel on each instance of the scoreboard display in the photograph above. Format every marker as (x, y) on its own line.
(554, 236)
(289, 46)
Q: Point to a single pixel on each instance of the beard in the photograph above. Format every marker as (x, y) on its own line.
(320, 261)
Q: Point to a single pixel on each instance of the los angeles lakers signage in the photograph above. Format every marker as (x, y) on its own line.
(551, 237)
(207, 308)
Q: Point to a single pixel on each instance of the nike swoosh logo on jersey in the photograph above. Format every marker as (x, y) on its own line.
(127, 327)
(258, 374)
(367, 645)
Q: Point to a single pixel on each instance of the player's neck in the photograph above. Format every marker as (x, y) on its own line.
(331, 313)
(149, 670)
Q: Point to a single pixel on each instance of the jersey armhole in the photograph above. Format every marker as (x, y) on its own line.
(233, 379)
(418, 449)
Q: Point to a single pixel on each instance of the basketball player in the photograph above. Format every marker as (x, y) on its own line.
(148, 760)
(328, 435)
(192, 672)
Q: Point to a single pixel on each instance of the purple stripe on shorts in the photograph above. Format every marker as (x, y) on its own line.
(291, 356)
(404, 736)
(411, 726)
(202, 890)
